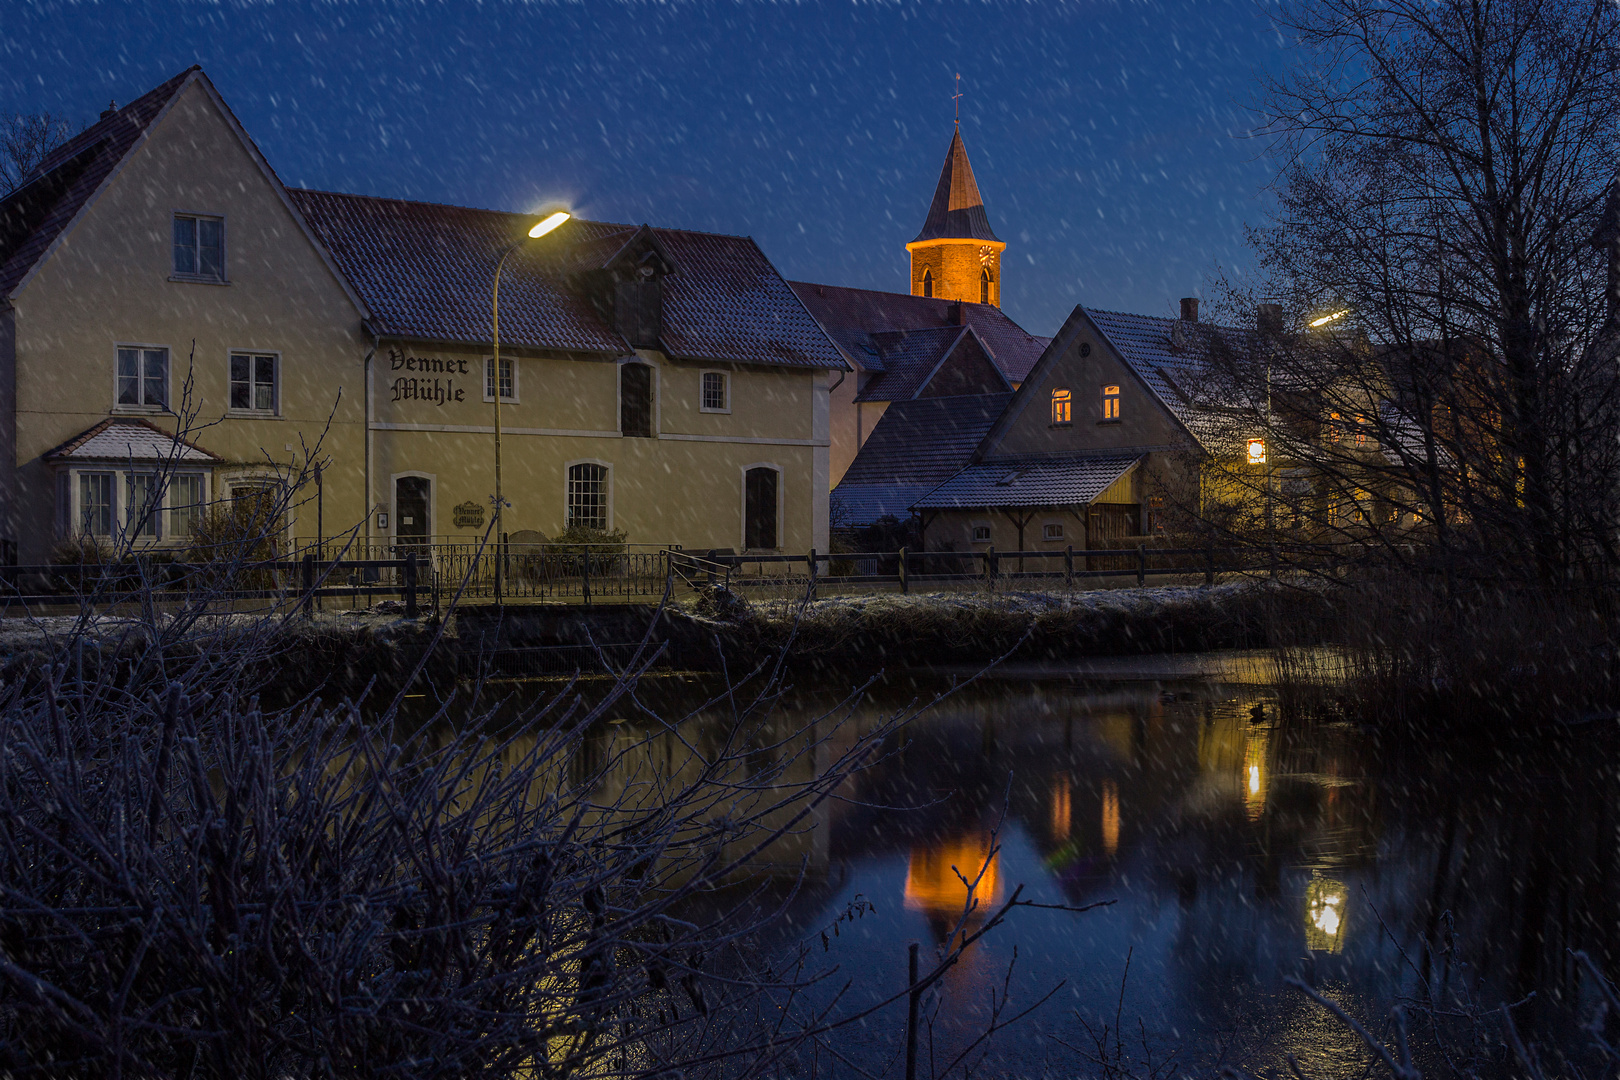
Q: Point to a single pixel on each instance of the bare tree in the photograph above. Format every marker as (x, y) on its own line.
(25, 140)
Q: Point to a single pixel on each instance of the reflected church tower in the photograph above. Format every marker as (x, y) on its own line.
(956, 256)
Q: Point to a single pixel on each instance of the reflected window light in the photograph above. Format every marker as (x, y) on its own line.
(1110, 817)
(1061, 809)
(934, 876)
(1326, 912)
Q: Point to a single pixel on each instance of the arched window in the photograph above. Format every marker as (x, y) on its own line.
(588, 496)
(1062, 405)
(984, 286)
(928, 283)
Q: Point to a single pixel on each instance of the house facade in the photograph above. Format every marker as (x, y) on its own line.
(170, 310)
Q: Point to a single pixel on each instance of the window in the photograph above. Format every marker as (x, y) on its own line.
(185, 504)
(1333, 427)
(1361, 431)
(199, 247)
(635, 400)
(981, 534)
(759, 508)
(1062, 405)
(928, 283)
(508, 378)
(1052, 530)
(715, 392)
(1110, 402)
(141, 505)
(253, 382)
(95, 504)
(587, 496)
(984, 286)
(143, 378)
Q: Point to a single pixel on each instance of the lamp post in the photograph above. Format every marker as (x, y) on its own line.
(541, 227)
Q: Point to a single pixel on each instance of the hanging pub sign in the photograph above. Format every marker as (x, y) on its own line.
(419, 386)
(469, 515)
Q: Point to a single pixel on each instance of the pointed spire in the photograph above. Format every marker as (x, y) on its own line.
(957, 211)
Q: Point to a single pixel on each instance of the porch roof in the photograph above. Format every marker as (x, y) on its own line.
(1029, 481)
(130, 438)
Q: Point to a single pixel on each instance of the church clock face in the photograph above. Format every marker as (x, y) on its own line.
(987, 255)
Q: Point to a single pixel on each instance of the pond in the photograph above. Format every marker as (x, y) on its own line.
(1238, 846)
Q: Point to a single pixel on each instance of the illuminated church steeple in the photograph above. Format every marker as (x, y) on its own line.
(956, 255)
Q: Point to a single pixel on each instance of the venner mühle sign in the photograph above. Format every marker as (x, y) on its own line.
(424, 383)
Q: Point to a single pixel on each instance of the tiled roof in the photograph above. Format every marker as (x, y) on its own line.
(914, 445)
(957, 211)
(130, 438)
(33, 216)
(1029, 481)
(425, 271)
(852, 316)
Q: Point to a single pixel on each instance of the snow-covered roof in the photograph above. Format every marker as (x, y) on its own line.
(914, 445)
(1030, 481)
(129, 438)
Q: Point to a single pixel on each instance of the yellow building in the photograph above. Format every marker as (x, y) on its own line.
(157, 279)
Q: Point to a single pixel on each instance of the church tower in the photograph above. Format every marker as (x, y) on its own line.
(956, 256)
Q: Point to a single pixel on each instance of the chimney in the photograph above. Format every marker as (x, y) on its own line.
(112, 107)
(957, 316)
(1189, 309)
(1268, 319)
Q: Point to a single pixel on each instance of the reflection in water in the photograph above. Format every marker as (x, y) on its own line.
(1061, 808)
(1256, 742)
(1327, 910)
(942, 878)
(1110, 817)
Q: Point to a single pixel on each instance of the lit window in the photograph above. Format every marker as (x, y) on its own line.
(1062, 405)
(714, 392)
(981, 534)
(984, 286)
(143, 378)
(1052, 530)
(1361, 434)
(199, 247)
(1333, 427)
(253, 382)
(95, 504)
(1257, 451)
(1110, 403)
(508, 378)
(588, 496)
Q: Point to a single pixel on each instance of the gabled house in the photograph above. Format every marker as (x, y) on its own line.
(159, 282)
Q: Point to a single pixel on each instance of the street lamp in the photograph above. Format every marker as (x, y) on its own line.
(540, 228)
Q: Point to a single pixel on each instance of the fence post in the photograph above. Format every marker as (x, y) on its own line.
(812, 573)
(410, 585)
(911, 1014)
(309, 584)
(905, 586)
(1068, 567)
(1141, 564)
(991, 564)
(1209, 561)
(585, 576)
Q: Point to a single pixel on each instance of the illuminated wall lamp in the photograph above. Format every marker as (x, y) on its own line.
(1257, 451)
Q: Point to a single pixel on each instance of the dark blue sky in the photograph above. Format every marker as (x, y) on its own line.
(1108, 138)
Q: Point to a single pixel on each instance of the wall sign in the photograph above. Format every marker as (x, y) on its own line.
(469, 515)
(418, 387)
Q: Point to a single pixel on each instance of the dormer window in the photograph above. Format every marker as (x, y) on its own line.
(1110, 403)
(199, 247)
(1062, 406)
(928, 283)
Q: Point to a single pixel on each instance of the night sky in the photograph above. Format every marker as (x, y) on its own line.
(1109, 140)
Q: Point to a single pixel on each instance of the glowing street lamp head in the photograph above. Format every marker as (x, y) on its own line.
(1333, 317)
(548, 223)
(1257, 451)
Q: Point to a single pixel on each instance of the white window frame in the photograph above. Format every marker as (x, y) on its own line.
(70, 509)
(224, 277)
(742, 504)
(517, 384)
(1046, 531)
(275, 384)
(568, 467)
(229, 485)
(973, 532)
(657, 404)
(703, 393)
(168, 379)
(433, 499)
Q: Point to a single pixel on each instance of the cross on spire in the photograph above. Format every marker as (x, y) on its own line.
(957, 97)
